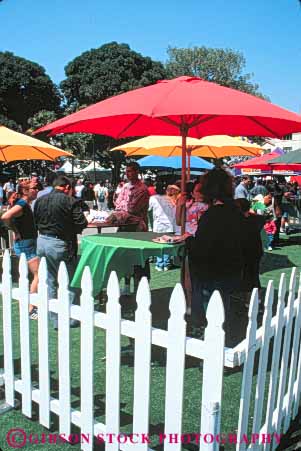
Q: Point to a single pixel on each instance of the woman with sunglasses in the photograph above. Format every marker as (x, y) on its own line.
(19, 218)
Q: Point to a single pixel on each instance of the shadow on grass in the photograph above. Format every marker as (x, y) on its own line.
(272, 261)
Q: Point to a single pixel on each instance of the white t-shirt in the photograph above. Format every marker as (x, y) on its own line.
(9, 187)
(78, 191)
(164, 214)
(101, 192)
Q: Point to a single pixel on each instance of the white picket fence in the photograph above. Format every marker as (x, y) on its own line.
(174, 340)
(282, 378)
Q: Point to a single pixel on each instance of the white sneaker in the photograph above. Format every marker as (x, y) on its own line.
(282, 230)
(270, 248)
(166, 268)
(159, 269)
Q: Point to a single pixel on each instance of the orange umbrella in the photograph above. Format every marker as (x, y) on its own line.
(215, 146)
(17, 146)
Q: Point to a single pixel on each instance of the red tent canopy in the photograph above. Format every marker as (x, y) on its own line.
(264, 164)
(258, 162)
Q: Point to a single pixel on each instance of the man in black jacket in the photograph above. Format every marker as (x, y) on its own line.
(59, 219)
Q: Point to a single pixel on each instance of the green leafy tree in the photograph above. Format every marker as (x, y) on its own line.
(9, 123)
(106, 71)
(25, 89)
(77, 143)
(41, 118)
(223, 66)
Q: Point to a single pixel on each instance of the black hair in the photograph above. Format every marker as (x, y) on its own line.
(148, 182)
(62, 180)
(50, 178)
(243, 204)
(134, 165)
(160, 188)
(217, 184)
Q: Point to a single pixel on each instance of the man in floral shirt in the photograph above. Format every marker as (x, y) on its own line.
(133, 197)
(133, 200)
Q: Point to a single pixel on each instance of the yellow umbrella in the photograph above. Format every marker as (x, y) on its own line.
(17, 146)
(216, 146)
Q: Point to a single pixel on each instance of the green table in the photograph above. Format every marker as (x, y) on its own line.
(118, 252)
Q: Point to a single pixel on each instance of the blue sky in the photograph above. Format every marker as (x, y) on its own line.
(267, 32)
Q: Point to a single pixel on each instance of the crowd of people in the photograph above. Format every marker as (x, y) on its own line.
(224, 227)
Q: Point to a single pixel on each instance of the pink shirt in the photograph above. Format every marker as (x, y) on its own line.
(194, 211)
(270, 227)
(134, 200)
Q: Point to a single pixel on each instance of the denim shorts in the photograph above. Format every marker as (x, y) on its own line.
(27, 247)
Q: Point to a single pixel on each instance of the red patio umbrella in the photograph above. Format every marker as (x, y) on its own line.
(265, 163)
(258, 162)
(185, 106)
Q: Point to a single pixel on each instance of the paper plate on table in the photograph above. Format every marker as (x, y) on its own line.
(163, 240)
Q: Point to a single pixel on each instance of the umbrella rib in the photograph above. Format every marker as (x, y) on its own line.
(1, 148)
(172, 151)
(211, 150)
(129, 125)
(200, 121)
(170, 121)
(265, 127)
(197, 121)
(44, 153)
(248, 150)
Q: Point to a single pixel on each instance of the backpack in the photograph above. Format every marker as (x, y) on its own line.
(101, 195)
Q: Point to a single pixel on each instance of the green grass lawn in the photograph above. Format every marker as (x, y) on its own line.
(279, 260)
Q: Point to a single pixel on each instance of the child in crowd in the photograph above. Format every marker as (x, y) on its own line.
(270, 229)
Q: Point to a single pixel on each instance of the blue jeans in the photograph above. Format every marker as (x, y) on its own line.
(270, 240)
(55, 251)
(28, 247)
(163, 262)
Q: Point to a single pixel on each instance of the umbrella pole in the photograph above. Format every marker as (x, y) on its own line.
(94, 170)
(184, 131)
(188, 164)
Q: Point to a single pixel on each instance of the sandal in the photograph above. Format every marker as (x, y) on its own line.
(33, 314)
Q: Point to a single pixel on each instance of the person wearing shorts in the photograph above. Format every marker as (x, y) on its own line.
(19, 218)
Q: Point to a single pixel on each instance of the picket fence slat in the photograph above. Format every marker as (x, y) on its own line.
(275, 360)
(43, 346)
(297, 390)
(7, 329)
(263, 360)
(293, 364)
(142, 363)
(213, 367)
(87, 358)
(174, 384)
(113, 341)
(64, 349)
(285, 354)
(25, 338)
(238, 353)
(246, 388)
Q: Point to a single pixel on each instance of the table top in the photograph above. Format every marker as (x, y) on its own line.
(105, 224)
(118, 252)
(129, 240)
